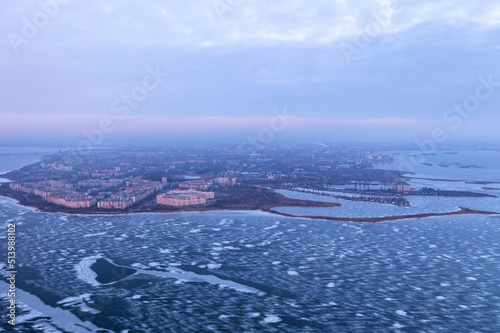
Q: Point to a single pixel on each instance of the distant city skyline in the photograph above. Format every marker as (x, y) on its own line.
(220, 70)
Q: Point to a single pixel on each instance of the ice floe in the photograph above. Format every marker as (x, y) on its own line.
(85, 273)
(271, 319)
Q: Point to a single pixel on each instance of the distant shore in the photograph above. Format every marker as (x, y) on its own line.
(461, 211)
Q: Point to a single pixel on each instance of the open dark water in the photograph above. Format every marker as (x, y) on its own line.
(251, 272)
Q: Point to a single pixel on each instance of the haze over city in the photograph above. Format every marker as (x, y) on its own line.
(219, 71)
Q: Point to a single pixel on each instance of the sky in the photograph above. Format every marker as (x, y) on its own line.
(166, 71)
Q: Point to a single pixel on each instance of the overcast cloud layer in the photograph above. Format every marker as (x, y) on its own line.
(391, 66)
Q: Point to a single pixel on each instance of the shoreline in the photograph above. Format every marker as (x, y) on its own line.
(270, 210)
(477, 182)
(461, 211)
(267, 205)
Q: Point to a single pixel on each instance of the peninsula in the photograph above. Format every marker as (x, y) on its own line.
(166, 180)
